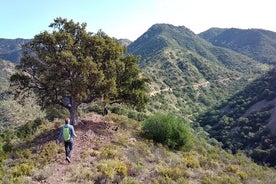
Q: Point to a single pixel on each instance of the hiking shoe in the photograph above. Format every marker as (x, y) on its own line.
(68, 159)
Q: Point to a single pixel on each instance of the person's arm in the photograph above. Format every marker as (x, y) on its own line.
(73, 132)
(60, 135)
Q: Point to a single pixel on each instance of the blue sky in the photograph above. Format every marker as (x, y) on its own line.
(131, 18)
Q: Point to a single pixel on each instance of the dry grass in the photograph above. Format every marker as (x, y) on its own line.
(122, 156)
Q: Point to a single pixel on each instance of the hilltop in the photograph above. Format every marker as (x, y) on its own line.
(111, 150)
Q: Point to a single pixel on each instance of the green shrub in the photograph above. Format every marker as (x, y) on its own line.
(139, 116)
(118, 109)
(108, 153)
(29, 128)
(56, 111)
(23, 169)
(168, 130)
(111, 168)
(6, 140)
(47, 153)
(7, 147)
(94, 107)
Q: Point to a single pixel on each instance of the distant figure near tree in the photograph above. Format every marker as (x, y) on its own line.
(105, 110)
(67, 132)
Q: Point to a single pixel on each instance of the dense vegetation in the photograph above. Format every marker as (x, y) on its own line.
(189, 74)
(245, 122)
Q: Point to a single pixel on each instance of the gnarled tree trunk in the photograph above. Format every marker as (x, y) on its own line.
(73, 112)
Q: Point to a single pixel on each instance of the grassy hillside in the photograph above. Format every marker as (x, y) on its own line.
(112, 149)
(247, 121)
(257, 44)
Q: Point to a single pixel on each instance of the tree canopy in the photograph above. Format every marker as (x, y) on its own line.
(70, 66)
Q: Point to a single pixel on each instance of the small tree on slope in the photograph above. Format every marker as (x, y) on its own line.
(70, 66)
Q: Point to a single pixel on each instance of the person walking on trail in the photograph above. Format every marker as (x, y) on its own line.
(68, 134)
(105, 110)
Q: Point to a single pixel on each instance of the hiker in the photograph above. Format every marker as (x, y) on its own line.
(67, 132)
(105, 110)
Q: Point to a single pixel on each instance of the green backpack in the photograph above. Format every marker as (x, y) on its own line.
(66, 133)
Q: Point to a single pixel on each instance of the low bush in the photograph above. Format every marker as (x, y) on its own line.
(168, 130)
(55, 111)
(112, 168)
(29, 128)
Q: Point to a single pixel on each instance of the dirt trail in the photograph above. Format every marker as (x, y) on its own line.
(153, 93)
(90, 130)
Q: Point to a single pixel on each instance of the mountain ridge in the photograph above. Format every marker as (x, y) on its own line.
(258, 44)
(10, 49)
(177, 59)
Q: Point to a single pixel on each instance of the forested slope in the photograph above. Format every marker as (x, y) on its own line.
(189, 74)
(247, 121)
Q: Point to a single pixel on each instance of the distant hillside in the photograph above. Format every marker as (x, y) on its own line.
(257, 44)
(6, 70)
(14, 113)
(125, 42)
(10, 49)
(211, 33)
(189, 73)
(247, 121)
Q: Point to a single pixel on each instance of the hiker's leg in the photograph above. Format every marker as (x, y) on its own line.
(67, 148)
(70, 148)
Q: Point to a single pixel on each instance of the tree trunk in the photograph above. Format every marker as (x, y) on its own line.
(73, 112)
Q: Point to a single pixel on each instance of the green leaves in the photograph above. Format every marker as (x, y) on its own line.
(168, 130)
(70, 66)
